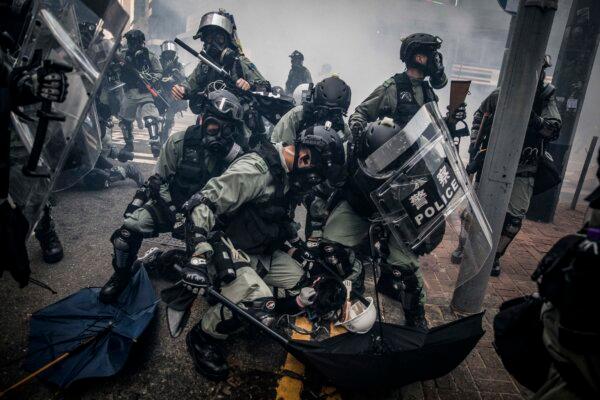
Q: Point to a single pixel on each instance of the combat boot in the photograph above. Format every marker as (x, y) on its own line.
(126, 244)
(207, 354)
(52, 250)
(389, 284)
(126, 153)
(457, 256)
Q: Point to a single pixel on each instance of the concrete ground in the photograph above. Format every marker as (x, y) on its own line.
(159, 366)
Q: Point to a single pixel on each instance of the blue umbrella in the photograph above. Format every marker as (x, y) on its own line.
(91, 339)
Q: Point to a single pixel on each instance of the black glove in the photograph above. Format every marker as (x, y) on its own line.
(536, 122)
(435, 64)
(49, 82)
(460, 114)
(356, 128)
(195, 275)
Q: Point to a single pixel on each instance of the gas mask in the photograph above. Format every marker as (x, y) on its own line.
(216, 45)
(218, 135)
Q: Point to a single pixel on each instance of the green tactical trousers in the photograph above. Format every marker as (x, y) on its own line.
(346, 227)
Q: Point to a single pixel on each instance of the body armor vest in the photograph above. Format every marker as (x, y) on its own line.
(259, 228)
(406, 105)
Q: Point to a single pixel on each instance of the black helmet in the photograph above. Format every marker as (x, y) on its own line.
(417, 42)
(332, 93)
(297, 55)
(135, 35)
(376, 134)
(223, 109)
(135, 38)
(327, 156)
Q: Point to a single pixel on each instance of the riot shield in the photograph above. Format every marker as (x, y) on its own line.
(427, 197)
(51, 129)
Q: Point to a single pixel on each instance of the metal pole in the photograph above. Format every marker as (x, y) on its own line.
(586, 165)
(527, 49)
(571, 77)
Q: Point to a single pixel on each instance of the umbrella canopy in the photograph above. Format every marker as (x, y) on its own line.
(406, 355)
(388, 355)
(98, 336)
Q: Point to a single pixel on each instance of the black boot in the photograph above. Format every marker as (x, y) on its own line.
(496, 267)
(126, 244)
(114, 287)
(52, 250)
(207, 354)
(389, 284)
(457, 256)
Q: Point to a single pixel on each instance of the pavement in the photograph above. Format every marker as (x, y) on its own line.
(160, 368)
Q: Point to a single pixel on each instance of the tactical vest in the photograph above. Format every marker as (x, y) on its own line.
(259, 228)
(191, 174)
(406, 105)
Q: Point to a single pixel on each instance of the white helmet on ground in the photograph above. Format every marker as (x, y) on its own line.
(361, 318)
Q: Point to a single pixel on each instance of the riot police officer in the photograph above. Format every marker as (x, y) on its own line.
(544, 126)
(328, 101)
(173, 74)
(298, 74)
(140, 72)
(401, 96)
(218, 33)
(187, 161)
(257, 192)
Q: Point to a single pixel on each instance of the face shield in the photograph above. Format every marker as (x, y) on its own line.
(426, 195)
(55, 37)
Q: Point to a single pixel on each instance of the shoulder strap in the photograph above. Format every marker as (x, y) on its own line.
(269, 153)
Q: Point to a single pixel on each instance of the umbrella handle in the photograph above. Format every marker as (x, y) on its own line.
(47, 366)
(35, 373)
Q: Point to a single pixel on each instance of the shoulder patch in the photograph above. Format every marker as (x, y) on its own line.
(388, 82)
(261, 166)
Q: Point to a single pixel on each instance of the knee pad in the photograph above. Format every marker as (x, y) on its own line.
(512, 226)
(150, 121)
(126, 244)
(262, 309)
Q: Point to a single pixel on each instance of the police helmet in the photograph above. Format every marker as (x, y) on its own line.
(326, 150)
(416, 43)
(215, 19)
(225, 105)
(135, 36)
(168, 45)
(333, 93)
(297, 55)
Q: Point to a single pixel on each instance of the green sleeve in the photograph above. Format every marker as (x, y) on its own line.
(288, 126)
(192, 81)
(550, 111)
(380, 102)
(245, 180)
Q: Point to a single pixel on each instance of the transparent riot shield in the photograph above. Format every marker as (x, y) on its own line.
(83, 154)
(52, 129)
(427, 198)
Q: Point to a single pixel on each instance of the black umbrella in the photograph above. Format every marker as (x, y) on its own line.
(388, 355)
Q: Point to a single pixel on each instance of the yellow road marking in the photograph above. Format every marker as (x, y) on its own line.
(289, 388)
(330, 392)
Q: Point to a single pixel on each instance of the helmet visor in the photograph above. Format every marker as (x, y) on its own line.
(227, 107)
